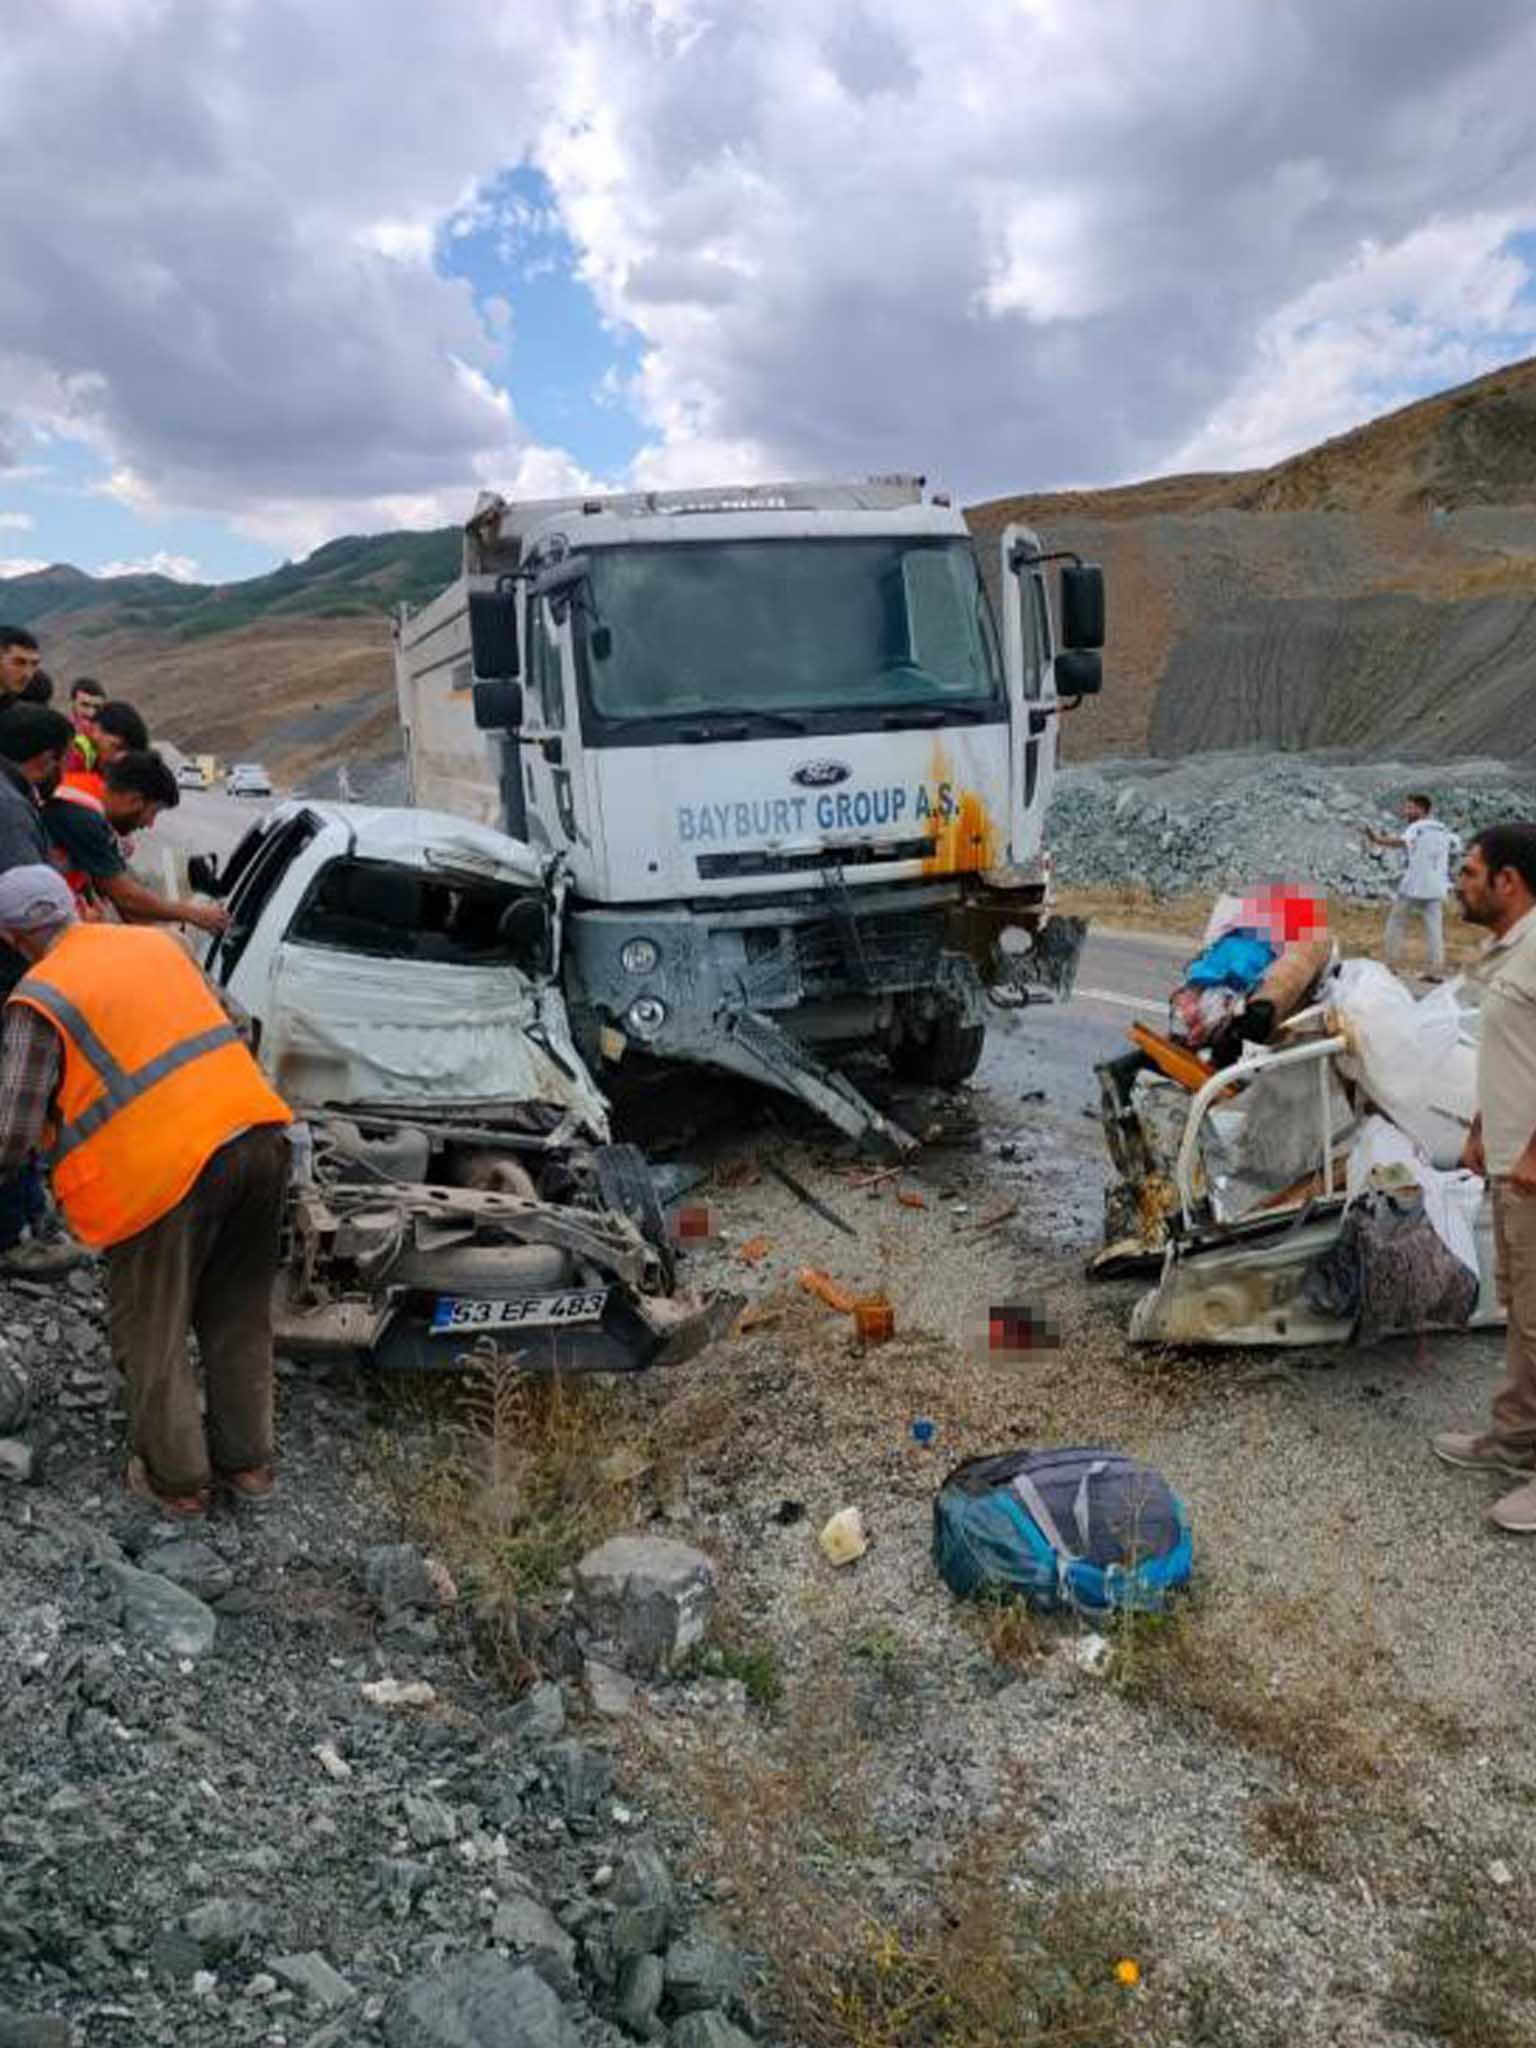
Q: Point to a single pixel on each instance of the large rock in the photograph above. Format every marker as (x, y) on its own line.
(190, 1563)
(219, 1926)
(648, 1597)
(15, 1390)
(158, 1613)
(701, 1973)
(313, 1978)
(645, 1900)
(582, 1777)
(527, 1927)
(639, 1998)
(17, 1461)
(478, 2001)
(399, 1579)
(706, 2030)
(539, 1716)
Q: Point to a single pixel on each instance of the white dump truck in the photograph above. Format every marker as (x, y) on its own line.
(792, 763)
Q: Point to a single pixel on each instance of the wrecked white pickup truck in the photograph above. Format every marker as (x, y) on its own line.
(1307, 1192)
(458, 1181)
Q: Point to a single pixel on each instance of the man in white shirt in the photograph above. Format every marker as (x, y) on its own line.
(1497, 889)
(1426, 877)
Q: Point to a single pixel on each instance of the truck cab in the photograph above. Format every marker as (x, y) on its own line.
(793, 764)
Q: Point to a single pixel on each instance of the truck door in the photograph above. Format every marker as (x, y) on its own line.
(548, 741)
(1033, 710)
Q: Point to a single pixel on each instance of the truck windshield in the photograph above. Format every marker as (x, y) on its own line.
(787, 627)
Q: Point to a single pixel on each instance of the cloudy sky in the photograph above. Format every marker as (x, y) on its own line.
(282, 269)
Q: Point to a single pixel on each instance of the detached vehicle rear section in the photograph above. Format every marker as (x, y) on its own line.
(794, 765)
(456, 1183)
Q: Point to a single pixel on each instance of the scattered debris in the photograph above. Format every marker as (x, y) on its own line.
(332, 1762)
(812, 1202)
(754, 1250)
(1091, 1653)
(842, 1539)
(911, 1198)
(826, 1289)
(759, 1315)
(399, 1692)
(874, 1320)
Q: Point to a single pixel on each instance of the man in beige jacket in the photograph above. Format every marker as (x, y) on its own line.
(1497, 889)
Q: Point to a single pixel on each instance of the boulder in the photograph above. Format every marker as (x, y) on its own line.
(649, 1598)
(707, 2030)
(190, 1563)
(159, 1613)
(398, 1579)
(582, 1777)
(701, 1974)
(219, 1926)
(17, 1461)
(539, 1716)
(639, 1999)
(645, 1899)
(478, 2001)
(313, 1978)
(527, 1927)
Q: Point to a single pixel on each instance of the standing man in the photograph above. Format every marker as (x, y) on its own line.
(1425, 879)
(1497, 889)
(170, 1153)
(20, 661)
(86, 699)
(86, 834)
(118, 730)
(32, 743)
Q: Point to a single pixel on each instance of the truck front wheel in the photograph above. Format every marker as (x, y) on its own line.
(947, 1053)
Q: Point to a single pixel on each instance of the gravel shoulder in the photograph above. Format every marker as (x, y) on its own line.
(1287, 1808)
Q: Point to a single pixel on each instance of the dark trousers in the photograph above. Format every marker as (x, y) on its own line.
(23, 1203)
(207, 1265)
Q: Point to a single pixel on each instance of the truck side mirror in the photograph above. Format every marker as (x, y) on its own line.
(493, 633)
(499, 707)
(1079, 672)
(1082, 605)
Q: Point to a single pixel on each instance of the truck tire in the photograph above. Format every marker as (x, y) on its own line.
(948, 1055)
(625, 1182)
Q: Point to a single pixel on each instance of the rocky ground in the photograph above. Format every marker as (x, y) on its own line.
(332, 1800)
(1215, 821)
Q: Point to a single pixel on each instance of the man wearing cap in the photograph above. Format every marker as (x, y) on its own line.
(169, 1152)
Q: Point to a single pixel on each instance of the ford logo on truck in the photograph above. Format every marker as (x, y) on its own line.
(820, 774)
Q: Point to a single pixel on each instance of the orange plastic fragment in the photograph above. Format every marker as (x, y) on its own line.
(826, 1289)
(755, 1249)
(1175, 1061)
(909, 1198)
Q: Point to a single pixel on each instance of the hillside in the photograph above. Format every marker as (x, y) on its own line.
(1376, 591)
(294, 666)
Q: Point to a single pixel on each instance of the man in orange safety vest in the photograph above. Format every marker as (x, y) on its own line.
(169, 1152)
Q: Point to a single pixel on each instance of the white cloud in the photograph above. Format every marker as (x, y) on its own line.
(17, 522)
(180, 568)
(1442, 305)
(20, 565)
(1017, 246)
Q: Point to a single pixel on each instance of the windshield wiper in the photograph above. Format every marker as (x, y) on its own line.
(925, 716)
(735, 723)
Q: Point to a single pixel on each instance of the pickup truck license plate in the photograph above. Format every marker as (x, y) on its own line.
(456, 1313)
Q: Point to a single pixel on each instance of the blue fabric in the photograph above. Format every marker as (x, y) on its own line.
(987, 1543)
(1238, 960)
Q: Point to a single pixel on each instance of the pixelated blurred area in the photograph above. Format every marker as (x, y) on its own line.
(694, 1223)
(1017, 1330)
(1284, 912)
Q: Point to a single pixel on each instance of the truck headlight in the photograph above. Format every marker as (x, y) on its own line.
(645, 1016)
(639, 956)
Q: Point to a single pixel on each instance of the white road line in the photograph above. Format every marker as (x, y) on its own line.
(1108, 995)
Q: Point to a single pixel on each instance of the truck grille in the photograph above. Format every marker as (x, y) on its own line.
(718, 867)
(898, 950)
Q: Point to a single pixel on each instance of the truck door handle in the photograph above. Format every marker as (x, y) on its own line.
(1038, 721)
(554, 751)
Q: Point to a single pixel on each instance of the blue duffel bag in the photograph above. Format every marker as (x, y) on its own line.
(1077, 1528)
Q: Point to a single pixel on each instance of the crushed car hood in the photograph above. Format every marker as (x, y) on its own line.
(354, 1029)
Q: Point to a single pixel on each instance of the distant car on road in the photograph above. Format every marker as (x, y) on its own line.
(190, 776)
(248, 778)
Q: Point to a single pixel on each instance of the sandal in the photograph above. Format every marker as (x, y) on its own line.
(254, 1487)
(182, 1507)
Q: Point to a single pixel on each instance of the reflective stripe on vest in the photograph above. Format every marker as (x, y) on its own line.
(121, 1087)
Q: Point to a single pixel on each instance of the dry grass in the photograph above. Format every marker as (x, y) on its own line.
(1470, 1981)
(976, 1962)
(1358, 927)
